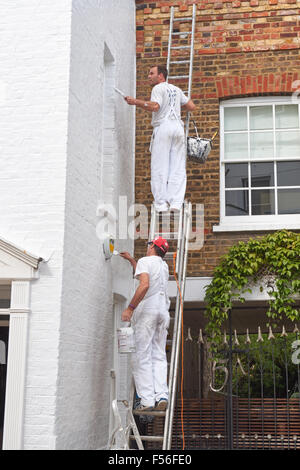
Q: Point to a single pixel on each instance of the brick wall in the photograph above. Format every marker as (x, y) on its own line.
(242, 48)
(51, 139)
(35, 63)
(100, 157)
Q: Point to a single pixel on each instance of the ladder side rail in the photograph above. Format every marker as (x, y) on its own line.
(173, 351)
(187, 123)
(170, 39)
(178, 341)
(179, 330)
(172, 371)
(119, 429)
(175, 347)
(175, 326)
(152, 223)
(132, 425)
(180, 229)
(192, 52)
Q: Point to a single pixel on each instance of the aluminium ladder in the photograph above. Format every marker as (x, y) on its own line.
(173, 35)
(184, 220)
(181, 233)
(183, 224)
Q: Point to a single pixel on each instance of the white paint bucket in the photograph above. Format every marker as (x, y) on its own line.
(126, 340)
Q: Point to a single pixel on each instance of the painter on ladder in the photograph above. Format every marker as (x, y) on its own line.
(168, 146)
(148, 312)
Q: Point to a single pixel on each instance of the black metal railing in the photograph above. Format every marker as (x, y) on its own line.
(245, 397)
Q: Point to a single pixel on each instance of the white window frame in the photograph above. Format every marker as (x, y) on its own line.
(258, 222)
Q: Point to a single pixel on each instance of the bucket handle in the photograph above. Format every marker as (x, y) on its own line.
(195, 129)
(198, 134)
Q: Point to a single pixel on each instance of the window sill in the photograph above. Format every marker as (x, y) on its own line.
(256, 227)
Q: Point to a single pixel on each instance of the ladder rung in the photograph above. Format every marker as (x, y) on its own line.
(149, 413)
(182, 18)
(181, 32)
(178, 76)
(180, 47)
(149, 438)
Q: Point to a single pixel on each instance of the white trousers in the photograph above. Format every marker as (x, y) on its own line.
(149, 362)
(168, 165)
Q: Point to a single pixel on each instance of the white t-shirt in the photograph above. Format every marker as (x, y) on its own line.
(158, 272)
(169, 97)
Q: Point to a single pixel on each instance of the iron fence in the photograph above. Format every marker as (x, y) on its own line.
(245, 396)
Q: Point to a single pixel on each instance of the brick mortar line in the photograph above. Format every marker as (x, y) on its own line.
(238, 15)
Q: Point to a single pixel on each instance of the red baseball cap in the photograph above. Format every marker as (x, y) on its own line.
(161, 243)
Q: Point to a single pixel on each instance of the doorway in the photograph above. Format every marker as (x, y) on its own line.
(5, 299)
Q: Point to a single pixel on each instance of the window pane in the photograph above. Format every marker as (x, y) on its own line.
(236, 146)
(237, 203)
(263, 202)
(286, 116)
(235, 119)
(288, 201)
(288, 144)
(261, 117)
(236, 175)
(262, 174)
(288, 173)
(261, 145)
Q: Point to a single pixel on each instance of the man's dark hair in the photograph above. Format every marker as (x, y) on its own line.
(162, 69)
(158, 251)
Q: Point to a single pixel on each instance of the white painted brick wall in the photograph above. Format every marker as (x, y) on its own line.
(34, 64)
(51, 121)
(86, 341)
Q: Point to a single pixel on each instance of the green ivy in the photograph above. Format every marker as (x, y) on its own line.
(272, 262)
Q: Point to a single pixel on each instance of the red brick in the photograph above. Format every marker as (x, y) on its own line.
(244, 69)
(233, 49)
(219, 88)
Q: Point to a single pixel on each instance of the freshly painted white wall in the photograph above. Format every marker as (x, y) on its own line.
(99, 166)
(52, 130)
(35, 62)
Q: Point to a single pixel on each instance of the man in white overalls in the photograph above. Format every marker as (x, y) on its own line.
(168, 146)
(148, 312)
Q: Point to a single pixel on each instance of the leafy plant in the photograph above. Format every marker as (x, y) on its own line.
(272, 262)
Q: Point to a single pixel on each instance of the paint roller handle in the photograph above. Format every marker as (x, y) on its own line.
(214, 135)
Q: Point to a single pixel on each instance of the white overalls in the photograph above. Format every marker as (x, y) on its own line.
(168, 148)
(150, 322)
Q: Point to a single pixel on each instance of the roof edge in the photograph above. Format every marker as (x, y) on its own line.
(23, 255)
